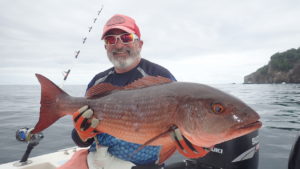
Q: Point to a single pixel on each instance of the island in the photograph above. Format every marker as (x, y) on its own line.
(283, 67)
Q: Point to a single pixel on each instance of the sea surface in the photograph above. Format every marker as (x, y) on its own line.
(278, 105)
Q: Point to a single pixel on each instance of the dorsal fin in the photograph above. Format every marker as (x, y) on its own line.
(100, 89)
(103, 88)
(147, 81)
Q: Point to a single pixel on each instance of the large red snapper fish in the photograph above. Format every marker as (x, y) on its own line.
(151, 106)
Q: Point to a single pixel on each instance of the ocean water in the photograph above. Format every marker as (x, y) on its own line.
(277, 104)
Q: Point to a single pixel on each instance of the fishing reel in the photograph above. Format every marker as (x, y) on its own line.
(24, 135)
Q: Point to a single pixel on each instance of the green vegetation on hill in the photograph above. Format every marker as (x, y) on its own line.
(282, 67)
(285, 61)
(263, 70)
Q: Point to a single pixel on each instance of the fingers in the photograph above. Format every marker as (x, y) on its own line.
(84, 123)
(94, 123)
(77, 114)
(87, 115)
(82, 118)
(92, 128)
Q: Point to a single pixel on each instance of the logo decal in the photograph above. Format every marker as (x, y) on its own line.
(255, 140)
(247, 154)
(217, 150)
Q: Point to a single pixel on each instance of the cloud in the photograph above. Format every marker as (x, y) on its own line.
(206, 41)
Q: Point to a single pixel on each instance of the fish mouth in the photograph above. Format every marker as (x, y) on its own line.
(243, 129)
(234, 132)
(253, 125)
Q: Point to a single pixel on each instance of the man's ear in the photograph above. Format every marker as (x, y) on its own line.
(141, 43)
(105, 47)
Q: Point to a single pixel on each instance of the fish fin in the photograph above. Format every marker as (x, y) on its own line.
(166, 151)
(101, 90)
(147, 81)
(153, 139)
(49, 111)
(104, 88)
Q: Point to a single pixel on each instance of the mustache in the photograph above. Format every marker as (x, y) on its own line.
(125, 49)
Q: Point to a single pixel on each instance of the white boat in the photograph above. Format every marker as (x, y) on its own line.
(56, 159)
(46, 161)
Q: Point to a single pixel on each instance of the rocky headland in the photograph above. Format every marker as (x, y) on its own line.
(282, 68)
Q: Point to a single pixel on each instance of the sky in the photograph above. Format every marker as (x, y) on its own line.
(203, 41)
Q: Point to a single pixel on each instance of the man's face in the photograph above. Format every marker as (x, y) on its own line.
(123, 55)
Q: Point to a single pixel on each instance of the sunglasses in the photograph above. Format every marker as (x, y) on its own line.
(124, 38)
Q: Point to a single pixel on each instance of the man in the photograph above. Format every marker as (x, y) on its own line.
(123, 45)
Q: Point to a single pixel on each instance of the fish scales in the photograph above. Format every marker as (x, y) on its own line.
(145, 112)
(141, 111)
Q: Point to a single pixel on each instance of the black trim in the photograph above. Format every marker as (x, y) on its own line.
(78, 140)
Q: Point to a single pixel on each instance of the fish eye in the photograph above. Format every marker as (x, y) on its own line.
(217, 108)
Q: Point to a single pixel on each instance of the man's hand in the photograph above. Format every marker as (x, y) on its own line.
(84, 123)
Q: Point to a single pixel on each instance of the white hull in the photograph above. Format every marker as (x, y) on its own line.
(46, 161)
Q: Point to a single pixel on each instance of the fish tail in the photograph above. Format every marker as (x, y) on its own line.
(49, 110)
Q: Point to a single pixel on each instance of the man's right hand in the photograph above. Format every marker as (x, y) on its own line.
(84, 123)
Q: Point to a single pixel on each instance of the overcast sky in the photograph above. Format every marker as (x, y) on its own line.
(204, 41)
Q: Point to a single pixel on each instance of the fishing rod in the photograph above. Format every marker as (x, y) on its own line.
(67, 72)
(24, 134)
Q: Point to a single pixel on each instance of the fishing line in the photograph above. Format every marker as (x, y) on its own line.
(67, 72)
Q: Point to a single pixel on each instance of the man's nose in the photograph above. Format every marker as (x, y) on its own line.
(119, 43)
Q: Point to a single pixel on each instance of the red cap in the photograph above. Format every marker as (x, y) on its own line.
(123, 22)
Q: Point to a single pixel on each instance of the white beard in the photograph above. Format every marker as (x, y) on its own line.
(123, 63)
